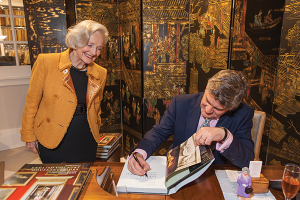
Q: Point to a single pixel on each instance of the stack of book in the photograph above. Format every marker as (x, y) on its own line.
(109, 142)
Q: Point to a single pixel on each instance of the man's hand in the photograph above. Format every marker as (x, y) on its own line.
(134, 166)
(32, 146)
(206, 135)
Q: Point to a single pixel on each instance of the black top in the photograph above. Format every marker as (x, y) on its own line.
(78, 144)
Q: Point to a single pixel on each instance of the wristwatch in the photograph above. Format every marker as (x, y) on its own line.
(226, 134)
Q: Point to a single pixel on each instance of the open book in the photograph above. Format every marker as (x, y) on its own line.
(182, 165)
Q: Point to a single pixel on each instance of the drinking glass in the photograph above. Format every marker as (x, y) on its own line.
(290, 180)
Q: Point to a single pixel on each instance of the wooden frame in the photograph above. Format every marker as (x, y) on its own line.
(2, 166)
(257, 131)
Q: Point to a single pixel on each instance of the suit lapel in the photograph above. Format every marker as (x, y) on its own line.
(193, 117)
(225, 120)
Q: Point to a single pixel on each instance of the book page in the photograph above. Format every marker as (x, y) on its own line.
(183, 156)
(183, 176)
(155, 183)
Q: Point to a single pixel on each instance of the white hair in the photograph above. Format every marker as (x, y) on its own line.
(79, 34)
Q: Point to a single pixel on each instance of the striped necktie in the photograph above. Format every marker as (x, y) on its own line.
(206, 123)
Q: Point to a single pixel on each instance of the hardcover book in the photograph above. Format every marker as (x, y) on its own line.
(182, 165)
(106, 155)
(107, 150)
(46, 181)
(107, 140)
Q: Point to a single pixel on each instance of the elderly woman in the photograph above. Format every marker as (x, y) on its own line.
(61, 118)
(244, 180)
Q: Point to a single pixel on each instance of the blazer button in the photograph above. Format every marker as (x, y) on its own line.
(65, 71)
(47, 120)
(56, 96)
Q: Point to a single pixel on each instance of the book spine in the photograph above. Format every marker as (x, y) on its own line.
(83, 184)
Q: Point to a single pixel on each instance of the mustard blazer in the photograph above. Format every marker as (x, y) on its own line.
(51, 99)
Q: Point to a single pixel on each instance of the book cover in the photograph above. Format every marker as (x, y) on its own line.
(107, 140)
(46, 181)
(182, 165)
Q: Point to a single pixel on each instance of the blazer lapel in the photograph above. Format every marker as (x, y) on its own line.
(92, 88)
(64, 66)
(67, 80)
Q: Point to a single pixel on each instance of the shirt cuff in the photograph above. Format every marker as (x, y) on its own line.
(140, 151)
(222, 146)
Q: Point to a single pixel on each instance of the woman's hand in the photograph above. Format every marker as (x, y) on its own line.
(33, 146)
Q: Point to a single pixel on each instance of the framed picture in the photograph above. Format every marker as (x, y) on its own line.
(19, 179)
(44, 191)
(73, 193)
(85, 165)
(58, 171)
(80, 178)
(46, 188)
(6, 192)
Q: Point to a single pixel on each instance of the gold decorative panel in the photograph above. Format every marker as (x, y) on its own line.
(46, 26)
(106, 13)
(284, 143)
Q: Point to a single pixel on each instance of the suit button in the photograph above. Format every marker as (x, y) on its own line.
(230, 158)
(56, 96)
(47, 120)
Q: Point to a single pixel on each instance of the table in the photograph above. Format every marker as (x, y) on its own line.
(206, 186)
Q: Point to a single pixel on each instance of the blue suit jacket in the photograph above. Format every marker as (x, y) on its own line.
(181, 119)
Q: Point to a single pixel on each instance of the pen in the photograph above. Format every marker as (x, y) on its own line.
(137, 160)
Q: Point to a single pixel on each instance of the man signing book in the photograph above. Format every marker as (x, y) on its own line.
(218, 117)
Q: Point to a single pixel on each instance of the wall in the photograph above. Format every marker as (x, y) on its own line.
(14, 82)
(13, 90)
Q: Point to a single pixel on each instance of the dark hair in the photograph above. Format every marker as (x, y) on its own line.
(229, 87)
